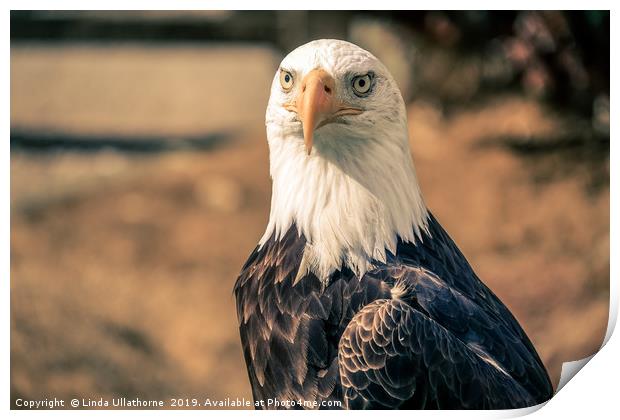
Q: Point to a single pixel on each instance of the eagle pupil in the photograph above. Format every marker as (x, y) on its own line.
(287, 78)
(361, 82)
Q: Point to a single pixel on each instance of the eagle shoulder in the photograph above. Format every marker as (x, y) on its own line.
(430, 346)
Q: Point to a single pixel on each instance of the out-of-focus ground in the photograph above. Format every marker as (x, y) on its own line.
(123, 263)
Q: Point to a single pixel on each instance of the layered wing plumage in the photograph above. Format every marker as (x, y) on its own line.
(431, 347)
(418, 331)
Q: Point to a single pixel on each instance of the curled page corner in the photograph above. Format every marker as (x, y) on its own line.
(570, 369)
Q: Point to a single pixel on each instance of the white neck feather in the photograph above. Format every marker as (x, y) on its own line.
(351, 204)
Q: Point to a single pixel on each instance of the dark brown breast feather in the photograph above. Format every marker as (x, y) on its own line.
(445, 340)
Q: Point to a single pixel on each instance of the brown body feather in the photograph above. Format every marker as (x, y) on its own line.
(419, 331)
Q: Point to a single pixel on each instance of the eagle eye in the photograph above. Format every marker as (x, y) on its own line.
(286, 80)
(361, 84)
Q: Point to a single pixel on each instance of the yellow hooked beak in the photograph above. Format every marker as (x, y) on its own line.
(316, 104)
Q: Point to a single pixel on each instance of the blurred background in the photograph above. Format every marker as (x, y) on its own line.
(140, 184)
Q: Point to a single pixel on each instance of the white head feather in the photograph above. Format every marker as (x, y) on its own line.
(356, 194)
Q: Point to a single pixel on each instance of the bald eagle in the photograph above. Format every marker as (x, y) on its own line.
(355, 296)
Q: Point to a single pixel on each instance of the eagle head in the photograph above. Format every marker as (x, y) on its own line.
(335, 95)
(339, 157)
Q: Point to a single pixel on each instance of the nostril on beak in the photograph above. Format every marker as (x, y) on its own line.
(327, 89)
